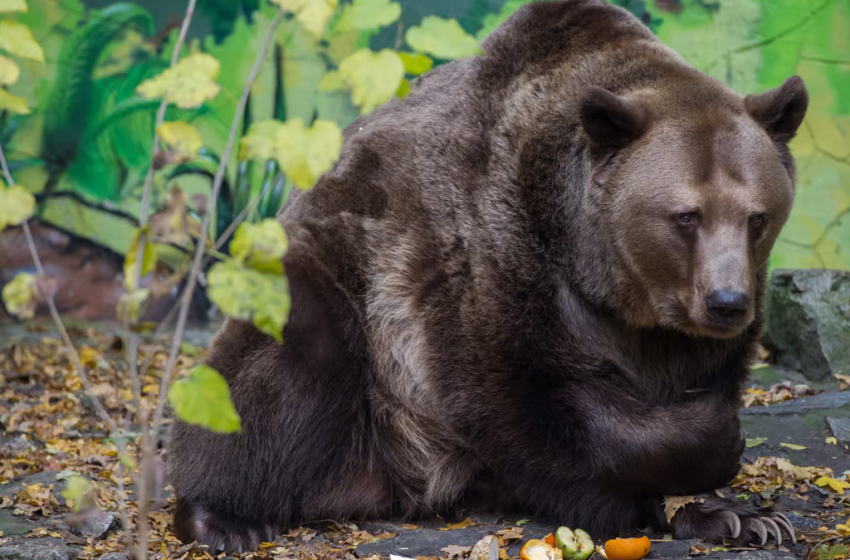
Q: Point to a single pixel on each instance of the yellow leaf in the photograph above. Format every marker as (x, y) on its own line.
(303, 153)
(15, 38)
(837, 486)
(132, 305)
(831, 441)
(374, 77)
(13, 103)
(148, 259)
(9, 72)
(13, 6)
(793, 446)
(19, 296)
(182, 138)
(468, 522)
(188, 84)
(16, 204)
(312, 14)
(261, 246)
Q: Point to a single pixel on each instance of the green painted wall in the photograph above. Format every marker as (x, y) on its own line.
(89, 135)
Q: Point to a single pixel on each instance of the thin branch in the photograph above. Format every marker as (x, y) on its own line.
(131, 337)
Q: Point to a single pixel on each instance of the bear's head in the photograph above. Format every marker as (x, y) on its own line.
(693, 189)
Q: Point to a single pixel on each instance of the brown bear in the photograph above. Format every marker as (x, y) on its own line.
(544, 266)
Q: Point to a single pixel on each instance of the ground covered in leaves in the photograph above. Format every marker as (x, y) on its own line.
(797, 459)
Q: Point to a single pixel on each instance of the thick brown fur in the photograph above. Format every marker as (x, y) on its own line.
(510, 273)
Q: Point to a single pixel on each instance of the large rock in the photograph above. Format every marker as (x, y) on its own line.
(35, 549)
(808, 321)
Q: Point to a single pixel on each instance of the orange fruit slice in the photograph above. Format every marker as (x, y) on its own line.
(627, 549)
(535, 549)
(550, 540)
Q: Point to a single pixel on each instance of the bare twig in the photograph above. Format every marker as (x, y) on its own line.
(131, 337)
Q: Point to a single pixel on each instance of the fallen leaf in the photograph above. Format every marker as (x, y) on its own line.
(511, 533)
(672, 504)
(755, 442)
(468, 522)
(522, 522)
(453, 550)
(837, 486)
(409, 527)
(793, 446)
(831, 441)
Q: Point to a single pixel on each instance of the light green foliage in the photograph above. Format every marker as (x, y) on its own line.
(367, 15)
(203, 399)
(16, 205)
(312, 14)
(13, 6)
(76, 488)
(261, 246)
(148, 259)
(415, 63)
(131, 305)
(251, 295)
(188, 84)
(19, 296)
(374, 77)
(303, 153)
(16, 39)
(442, 38)
(755, 442)
(181, 138)
(492, 21)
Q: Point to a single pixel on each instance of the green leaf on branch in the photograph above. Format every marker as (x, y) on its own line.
(303, 153)
(13, 6)
(203, 399)
(187, 84)
(403, 89)
(16, 203)
(13, 103)
(312, 14)
(374, 77)
(367, 15)
(442, 38)
(182, 139)
(16, 39)
(416, 63)
(261, 246)
(148, 259)
(251, 295)
(132, 305)
(9, 71)
(19, 296)
(76, 488)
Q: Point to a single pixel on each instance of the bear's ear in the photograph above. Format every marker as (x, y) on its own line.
(611, 121)
(780, 110)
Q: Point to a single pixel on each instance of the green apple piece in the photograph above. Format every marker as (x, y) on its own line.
(566, 540)
(585, 545)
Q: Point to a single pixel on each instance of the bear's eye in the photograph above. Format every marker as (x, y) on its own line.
(757, 220)
(687, 219)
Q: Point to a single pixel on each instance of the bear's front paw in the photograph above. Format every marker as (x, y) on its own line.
(744, 523)
(220, 532)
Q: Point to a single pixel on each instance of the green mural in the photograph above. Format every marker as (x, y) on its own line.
(84, 148)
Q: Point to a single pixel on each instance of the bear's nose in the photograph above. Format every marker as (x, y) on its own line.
(726, 304)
